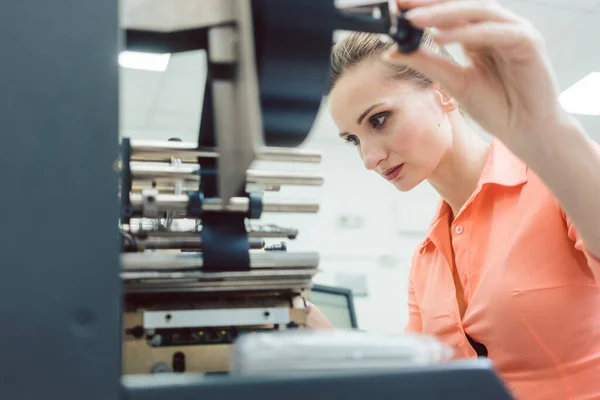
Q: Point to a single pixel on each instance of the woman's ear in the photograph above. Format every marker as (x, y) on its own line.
(447, 102)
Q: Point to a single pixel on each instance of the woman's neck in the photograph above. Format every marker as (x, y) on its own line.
(457, 175)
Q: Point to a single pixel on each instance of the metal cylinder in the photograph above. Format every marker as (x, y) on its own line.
(288, 155)
(156, 172)
(191, 173)
(259, 188)
(158, 150)
(162, 187)
(179, 202)
(165, 186)
(283, 178)
(183, 261)
(182, 242)
(148, 229)
(163, 151)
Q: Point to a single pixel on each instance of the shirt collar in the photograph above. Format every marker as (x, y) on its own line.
(501, 168)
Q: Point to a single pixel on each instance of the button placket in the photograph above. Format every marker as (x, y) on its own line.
(458, 247)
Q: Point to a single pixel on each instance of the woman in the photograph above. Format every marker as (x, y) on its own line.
(510, 265)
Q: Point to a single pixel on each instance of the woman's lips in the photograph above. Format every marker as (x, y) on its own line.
(393, 172)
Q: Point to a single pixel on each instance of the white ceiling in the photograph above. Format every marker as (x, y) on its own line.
(159, 105)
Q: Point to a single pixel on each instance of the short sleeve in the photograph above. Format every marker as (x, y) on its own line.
(592, 260)
(414, 313)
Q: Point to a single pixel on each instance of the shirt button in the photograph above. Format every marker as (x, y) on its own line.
(458, 229)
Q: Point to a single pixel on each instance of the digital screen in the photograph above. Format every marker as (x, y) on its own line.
(336, 304)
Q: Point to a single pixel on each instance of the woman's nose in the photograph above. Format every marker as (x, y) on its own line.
(372, 155)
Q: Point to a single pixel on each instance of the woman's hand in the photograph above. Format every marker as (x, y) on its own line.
(510, 90)
(509, 87)
(315, 318)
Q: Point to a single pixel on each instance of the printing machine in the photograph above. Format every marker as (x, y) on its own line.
(196, 275)
(131, 268)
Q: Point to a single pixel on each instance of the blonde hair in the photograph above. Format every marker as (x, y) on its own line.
(357, 47)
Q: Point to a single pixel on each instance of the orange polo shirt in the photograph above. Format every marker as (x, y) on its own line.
(529, 287)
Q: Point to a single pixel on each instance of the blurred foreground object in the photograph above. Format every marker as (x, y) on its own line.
(337, 350)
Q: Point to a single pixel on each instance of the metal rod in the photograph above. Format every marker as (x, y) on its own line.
(146, 230)
(191, 173)
(288, 155)
(254, 231)
(170, 286)
(169, 187)
(222, 277)
(169, 262)
(162, 187)
(284, 178)
(148, 171)
(177, 242)
(257, 188)
(163, 151)
(179, 202)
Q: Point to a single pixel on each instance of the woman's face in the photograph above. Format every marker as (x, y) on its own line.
(402, 132)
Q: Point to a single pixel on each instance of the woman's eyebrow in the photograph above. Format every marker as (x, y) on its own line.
(360, 119)
(364, 114)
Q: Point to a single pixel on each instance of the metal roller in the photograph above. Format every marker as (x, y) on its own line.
(162, 187)
(156, 172)
(192, 286)
(191, 173)
(221, 277)
(179, 202)
(258, 260)
(254, 231)
(288, 155)
(164, 151)
(176, 242)
(284, 178)
(259, 188)
(170, 187)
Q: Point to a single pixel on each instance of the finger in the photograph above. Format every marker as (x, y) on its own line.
(485, 34)
(408, 4)
(450, 76)
(456, 12)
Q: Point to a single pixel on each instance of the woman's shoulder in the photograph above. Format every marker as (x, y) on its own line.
(499, 212)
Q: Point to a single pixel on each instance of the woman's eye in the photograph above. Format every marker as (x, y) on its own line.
(352, 139)
(378, 120)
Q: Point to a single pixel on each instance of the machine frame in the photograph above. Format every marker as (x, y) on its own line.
(60, 294)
